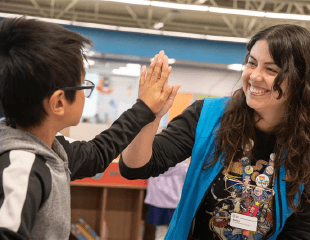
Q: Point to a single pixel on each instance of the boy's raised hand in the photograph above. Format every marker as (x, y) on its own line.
(153, 89)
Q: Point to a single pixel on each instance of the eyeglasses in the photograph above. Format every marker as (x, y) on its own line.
(88, 87)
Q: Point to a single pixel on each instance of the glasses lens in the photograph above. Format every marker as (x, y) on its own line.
(87, 92)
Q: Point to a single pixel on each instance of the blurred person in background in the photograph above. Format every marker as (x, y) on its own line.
(163, 196)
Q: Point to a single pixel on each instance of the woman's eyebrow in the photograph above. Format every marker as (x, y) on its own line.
(267, 63)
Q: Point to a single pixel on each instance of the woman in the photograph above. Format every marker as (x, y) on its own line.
(257, 142)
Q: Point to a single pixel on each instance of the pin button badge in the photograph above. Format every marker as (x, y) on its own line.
(262, 180)
(245, 161)
(248, 170)
(269, 170)
(258, 191)
(272, 156)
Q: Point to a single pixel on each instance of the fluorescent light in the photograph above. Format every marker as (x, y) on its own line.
(137, 2)
(171, 60)
(226, 39)
(235, 67)
(180, 6)
(139, 30)
(89, 62)
(10, 15)
(158, 25)
(133, 66)
(182, 34)
(288, 16)
(126, 72)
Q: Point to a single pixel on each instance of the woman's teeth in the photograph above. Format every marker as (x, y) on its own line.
(257, 91)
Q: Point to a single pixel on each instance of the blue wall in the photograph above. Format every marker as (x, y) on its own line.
(146, 45)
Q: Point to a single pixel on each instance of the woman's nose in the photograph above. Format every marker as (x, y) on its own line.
(256, 75)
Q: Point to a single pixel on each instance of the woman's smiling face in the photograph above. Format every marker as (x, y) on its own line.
(258, 78)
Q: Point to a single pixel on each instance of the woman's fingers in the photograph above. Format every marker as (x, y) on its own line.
(142, 76)
(151, 69)
(163, 81)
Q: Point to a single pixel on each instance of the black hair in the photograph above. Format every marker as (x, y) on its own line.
(1, 110)
(35, 58)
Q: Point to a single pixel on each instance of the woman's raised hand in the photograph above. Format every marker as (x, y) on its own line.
(153, 88)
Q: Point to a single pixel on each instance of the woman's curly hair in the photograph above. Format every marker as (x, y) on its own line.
(289, 46)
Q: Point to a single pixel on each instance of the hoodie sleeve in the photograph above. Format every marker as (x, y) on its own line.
(86, 159)
(25, 185)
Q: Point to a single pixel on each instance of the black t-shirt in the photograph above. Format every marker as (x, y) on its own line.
(212, 216)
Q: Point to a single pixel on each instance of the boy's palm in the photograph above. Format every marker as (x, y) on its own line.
(153, 90)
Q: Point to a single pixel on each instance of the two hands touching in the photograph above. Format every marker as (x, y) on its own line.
(154, 90)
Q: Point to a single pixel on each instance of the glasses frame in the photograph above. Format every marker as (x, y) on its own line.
(80, 88)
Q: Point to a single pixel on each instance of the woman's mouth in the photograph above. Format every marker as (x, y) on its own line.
(257, 91)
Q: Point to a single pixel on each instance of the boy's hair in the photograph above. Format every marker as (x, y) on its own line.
(35, 58)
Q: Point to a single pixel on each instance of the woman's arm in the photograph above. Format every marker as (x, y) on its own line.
(297, 226)
(171, 146)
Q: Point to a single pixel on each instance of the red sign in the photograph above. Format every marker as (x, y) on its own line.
(111, 177)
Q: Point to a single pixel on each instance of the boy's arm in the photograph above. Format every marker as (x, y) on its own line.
(88, 158)
(25, 184)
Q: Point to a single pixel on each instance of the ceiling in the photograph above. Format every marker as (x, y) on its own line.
(185, 21)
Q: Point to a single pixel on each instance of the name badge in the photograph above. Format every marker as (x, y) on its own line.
(243, 222)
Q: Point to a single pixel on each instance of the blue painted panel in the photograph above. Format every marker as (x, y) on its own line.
(146, 45)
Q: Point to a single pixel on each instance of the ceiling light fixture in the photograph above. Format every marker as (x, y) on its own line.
(235, 67)
(170, 60)
(192, 7)
(158, 25)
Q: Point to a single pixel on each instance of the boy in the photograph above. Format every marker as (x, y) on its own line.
(42, 92)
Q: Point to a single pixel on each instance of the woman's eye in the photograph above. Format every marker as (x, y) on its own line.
(272, 70)
(251, 63)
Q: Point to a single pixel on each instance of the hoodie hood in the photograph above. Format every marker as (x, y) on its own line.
(15, 139)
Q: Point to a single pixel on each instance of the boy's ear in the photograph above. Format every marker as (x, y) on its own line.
(55, 104)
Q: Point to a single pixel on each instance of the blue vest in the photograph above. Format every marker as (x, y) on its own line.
(198, 181)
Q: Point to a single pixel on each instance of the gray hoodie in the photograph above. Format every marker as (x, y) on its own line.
(34, 178)
(55, 212)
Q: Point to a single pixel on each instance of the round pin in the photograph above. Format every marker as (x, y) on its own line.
(272, 156)
(269, 170)
(262, 180)
(245, 161)
(258, 191)
(248, 170)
